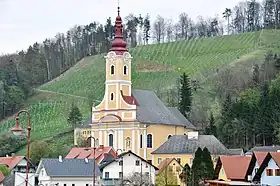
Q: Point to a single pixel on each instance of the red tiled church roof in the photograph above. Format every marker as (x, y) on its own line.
(235, 167)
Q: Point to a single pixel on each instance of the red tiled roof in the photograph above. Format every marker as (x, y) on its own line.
(276, 157)
(11, 161)
(260, 156)
(81, 153)
(235, 166)
(2, 177)
(130, 100)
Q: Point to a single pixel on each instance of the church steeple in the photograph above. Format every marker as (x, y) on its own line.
(118, 44)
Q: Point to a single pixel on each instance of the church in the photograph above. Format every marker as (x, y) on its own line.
(127, 118)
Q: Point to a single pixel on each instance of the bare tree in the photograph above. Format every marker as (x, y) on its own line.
(169, 30)
(184, 22)
(159, 29)
(137, 179)
(177, 31)
(227, 14)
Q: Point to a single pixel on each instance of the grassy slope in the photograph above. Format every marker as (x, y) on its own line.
(154, 66)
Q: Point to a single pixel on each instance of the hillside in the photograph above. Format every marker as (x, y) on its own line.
(155, 67)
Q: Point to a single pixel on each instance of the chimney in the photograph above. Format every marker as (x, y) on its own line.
(101, 146)
(7, 155)
(193, 135)
(86, 160)
(60, 158)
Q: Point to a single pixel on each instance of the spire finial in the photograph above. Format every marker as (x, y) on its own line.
(118, 7)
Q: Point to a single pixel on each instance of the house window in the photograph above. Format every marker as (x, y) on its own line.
(169, 136)
(120, 174)
(64, 184)
(42, 172)
(147, 174)
(125, 70)
(158, 160)
(111, 140)
(141, 141)
(269, 172)
(179, 160)
(137, 162)
(256, 170)
(149, 141)
(112, 69)
(112, 96)
(121, 163)
(87, 185)
(277, 172)
(106, 174)
(73, 184)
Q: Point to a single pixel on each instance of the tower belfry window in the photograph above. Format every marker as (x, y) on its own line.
(112, 96)
(112, 69)
(125, 70)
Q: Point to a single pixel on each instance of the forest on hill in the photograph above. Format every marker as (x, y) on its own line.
(43, 61)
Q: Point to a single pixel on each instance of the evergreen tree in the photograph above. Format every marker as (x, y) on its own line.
(185, 95)
(208, 164)
(185, 176)
(75, 116)
(197, 167)
(256, 76)
(211, 128)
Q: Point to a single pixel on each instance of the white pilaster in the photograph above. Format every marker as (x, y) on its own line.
(138, 142)
(133, 140)
(145, 144)
(100, 137)
(115, 139)
(105, 138)
(121, 137)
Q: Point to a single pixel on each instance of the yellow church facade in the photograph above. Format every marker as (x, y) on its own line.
(127, 118)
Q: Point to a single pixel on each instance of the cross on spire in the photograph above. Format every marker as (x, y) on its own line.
(118, 7)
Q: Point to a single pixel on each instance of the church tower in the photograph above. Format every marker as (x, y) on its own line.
(118, 103)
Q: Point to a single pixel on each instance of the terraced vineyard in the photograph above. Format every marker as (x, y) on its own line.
(154, 66)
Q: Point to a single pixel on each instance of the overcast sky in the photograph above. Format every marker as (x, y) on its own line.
(22, 22)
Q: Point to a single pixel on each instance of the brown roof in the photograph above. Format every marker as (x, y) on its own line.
(235, 167)
(166, 162)
(11, 161)
(81, 153)
(2, 177)
(276, 157)
(260, 156)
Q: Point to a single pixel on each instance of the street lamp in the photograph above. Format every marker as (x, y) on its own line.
(17, 131)
(91, 137)
(122, 164)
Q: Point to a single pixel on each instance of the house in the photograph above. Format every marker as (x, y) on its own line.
(255, 163)
(183, 147)
(127, 118)
(232, 168)
(127, 164)
(236, 152)
(269, 171)
(67, 172)
(16, 163)
(174, 165)
(101, 153)
(273, 148)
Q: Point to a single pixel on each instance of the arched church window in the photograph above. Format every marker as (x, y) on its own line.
(169, 136)
(127, 141)
(112, 69)
(125, 70)
(111, 140)
(141, 141)
(112, 96)
(96, 142)
(149, 141)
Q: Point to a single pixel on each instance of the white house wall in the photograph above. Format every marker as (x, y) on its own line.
(270, 180)
(129, 167)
